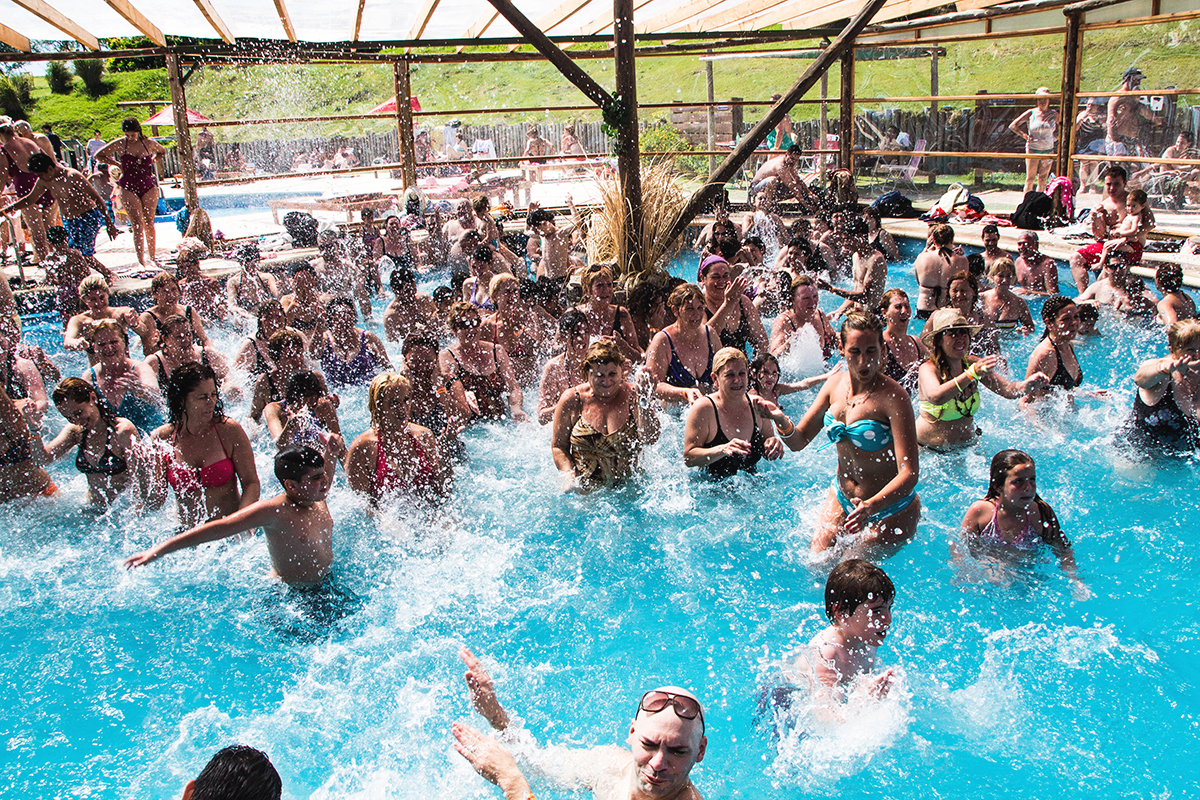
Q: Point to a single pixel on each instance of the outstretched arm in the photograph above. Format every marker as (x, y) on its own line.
(253, 516)
(483, 691)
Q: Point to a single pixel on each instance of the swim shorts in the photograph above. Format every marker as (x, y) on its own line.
(82, 230)
(1091, 253)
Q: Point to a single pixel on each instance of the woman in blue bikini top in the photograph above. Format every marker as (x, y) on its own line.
(869, 418)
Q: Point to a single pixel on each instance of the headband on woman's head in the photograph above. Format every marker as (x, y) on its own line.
(708, 262)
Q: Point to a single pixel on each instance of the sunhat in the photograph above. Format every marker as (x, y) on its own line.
(945, 319)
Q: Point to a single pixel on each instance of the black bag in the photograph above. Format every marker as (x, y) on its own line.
(894, 204)
(302, 227)
(1033, 211)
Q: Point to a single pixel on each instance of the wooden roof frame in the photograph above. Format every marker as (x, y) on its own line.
(52, 17)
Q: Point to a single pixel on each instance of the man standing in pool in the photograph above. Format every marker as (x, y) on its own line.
(666, 739)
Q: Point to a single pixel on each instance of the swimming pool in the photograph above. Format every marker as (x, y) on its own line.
(121, 685)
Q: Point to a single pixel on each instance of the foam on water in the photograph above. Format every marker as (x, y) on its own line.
(122, 684)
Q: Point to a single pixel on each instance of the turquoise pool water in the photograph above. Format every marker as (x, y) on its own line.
(121, 685)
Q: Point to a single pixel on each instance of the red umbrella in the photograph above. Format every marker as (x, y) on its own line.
(390, 106)
(167, 117)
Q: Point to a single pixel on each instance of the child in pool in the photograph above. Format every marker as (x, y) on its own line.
(297, 523)
(1089, 316)
(1012, 517)
(841, 659)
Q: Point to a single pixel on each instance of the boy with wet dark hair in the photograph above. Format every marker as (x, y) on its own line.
(238, 772)
(297, 524)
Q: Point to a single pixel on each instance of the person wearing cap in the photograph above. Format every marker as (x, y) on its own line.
(1123, 129)
(666, 740)
(1090, 133)
(249, 288)
(1040, 133)
(949, 381)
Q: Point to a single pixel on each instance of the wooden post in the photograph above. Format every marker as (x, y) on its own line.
(1072, 49)
(712, 116)
(183, 134)
(823, 130)
(756, 135)
(628, 157)
(404, 124)
(846, 112)
(934, 115)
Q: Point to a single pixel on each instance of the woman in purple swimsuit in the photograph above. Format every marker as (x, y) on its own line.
(349, 355)
(14, 162)
(135, 155)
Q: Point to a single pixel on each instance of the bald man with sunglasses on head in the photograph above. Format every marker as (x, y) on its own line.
(666, 739)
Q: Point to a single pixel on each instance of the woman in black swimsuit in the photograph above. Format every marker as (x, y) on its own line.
(730, 313)
(164, 288)
(252, 355)
(1166, 408)
(109, 449)
(1055, 356)
(177, 348)
(905, 352)
(729, 431)
(605, 320)
(478, 372)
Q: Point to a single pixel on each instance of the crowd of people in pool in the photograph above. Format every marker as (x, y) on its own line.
(607, 357)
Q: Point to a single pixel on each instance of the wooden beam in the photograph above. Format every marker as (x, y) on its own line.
(846, 113)
(569, 69)
(601, 22)
(404, 123)
(358, 20)
(734, 15)
(13, 39)
(680, 13)
(137, 20)
(214, 19)
(183, 134)
(841, 9)
(1072, 55)
(556, 17)
(758, 134)
(1008, 10)
(628, 157)
(52, 17)
(478, 27)
(1090, 5)
(286, 19)
(422, 21)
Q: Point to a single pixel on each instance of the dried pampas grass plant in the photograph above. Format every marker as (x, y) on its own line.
(662, 201)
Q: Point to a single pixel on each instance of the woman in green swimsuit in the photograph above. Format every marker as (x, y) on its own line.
(949, 382)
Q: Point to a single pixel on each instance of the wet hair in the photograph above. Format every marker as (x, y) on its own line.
(77, 390)
(160, 280)
(873, 213)
(684, 294)
(1050, 310)
(1169, 277)
(591, 274)
(643, 297)
(1138, 196)
(459, 312)
(443, 293)
(401, 276)
(93, 282)
(1002, 464)
(172, 321)
(756, 367)
(483, 253)
(131, 125)
(885, 301)
(964, 275)
(40, 162)
(858, 227)
(247, 254)
(1183, 334)
(727, 354)
(852, 583)
(1116, 171)
(56, 235)
(797, 282)
(795, 150)
(571, 321)
(1187, 136)
(800, 228)
(269, 306)
(861, 321)
(291, 464)
(305, 383)
(482, 204)
(381, 384)
(943, 235)
(538, 216)
(419, 337)
(183, 381)
(754, 241)
(497, 283)
(333, 304)
(107, 325)
(1004, 264)
(1089, 313)
(989, 228)
(602, 352)
(281, 339)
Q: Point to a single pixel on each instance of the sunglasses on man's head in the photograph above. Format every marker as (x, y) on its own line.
(685, 707)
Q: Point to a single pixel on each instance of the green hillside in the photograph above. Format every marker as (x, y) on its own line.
(1169, 54)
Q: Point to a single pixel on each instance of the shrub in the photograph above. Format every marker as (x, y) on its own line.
(91, 72)
(10, 101)
(60, 78)
(22, 83)
(662, 137)
(135, 63)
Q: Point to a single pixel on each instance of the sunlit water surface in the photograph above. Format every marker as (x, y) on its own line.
(121, 685)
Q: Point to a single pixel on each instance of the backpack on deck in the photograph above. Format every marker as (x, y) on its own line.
(894, 204)
(1033, 211)
(302, 227)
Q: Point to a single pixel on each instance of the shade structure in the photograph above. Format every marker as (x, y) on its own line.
(389, 107)
(167, 117)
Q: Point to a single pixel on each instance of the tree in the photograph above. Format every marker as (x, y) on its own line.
(59, 76)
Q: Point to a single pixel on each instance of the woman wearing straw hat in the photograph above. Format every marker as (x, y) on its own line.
(949, 382)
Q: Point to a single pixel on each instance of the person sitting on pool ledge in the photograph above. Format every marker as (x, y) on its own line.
(949, 382)
(297, 524)
(870, 420)
(666, 739)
